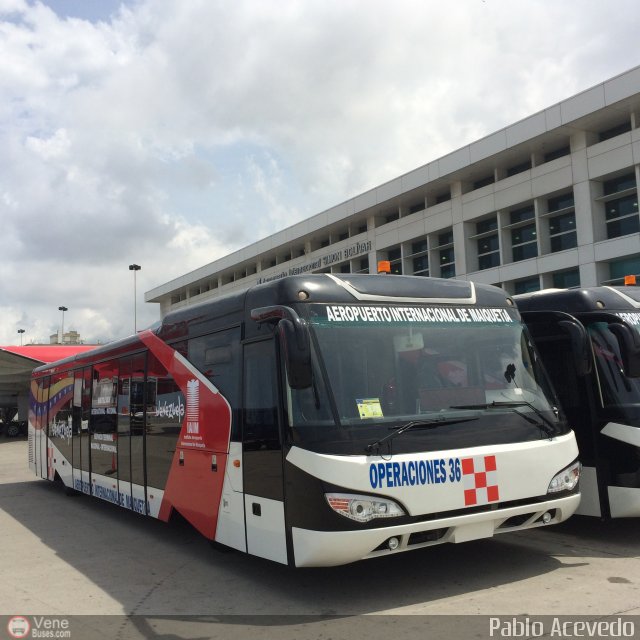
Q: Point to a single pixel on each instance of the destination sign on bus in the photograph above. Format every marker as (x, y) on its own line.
(631, 318)
(353, 313)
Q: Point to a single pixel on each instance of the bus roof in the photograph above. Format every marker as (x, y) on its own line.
(580, 300)
(231, 309)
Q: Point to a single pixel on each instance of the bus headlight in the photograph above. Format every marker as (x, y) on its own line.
(363, 508)
(566, 480)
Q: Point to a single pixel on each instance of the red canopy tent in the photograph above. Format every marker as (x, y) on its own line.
(16, 365)
(46, 353)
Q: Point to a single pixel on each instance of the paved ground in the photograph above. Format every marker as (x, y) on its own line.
(62, 556)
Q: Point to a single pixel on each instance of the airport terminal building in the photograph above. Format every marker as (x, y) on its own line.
(550, 201)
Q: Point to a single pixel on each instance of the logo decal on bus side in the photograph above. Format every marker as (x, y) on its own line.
(193, 406)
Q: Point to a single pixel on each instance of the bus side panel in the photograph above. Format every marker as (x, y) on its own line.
(38, 411)
(59, 449)
(57, 463)
(590, 501)
(195, 480)
(266, 535)
(624, 502)
(32, 426)
(230, 530)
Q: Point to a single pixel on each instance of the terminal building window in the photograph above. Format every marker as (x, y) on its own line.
(446, 255)
(394, 256)
(557, 153)
(415, 208)
(566, 279)
(363, 265)
(483, 182)
(526, 286)
(420, 257)
(488, 252)
(562, 225)
(621, 268)
(523, 243)
(524, 239)
(621, 213)
(562, 232)
(445, 238)
(615, 131)
(447, 263)
(488, 244)
(519, 168)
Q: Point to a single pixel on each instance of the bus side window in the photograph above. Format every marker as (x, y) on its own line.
(104, 419)
(217, 355)
(163, 421)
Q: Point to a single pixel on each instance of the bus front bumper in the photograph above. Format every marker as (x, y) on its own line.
(332, 548)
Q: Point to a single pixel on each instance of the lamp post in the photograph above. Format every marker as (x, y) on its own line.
(134, 268)
(63, 309)
(20, 331)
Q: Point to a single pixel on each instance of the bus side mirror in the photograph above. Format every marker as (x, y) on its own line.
(580, 346)
(295, 343)
(629, 348)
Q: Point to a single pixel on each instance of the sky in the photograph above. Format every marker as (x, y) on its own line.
(168, 134)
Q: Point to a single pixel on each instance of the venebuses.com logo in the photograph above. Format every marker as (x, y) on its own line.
(18, 627)
(38, 627)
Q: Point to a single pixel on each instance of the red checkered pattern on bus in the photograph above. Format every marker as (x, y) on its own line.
(480, 480)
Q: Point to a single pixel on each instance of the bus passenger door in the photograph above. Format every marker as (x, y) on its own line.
(578, 404)
(80, 413)
(136, 445)
(40, 436)
(262, 454)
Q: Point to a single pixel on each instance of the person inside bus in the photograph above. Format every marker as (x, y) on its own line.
(428, 373)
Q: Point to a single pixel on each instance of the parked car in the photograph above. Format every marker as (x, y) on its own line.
(15, 428)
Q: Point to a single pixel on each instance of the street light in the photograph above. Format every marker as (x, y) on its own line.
(134, 268)
(20, 331)
(63, 309)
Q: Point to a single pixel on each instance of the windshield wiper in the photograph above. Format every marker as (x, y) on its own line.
(435, 422)
(546, 425)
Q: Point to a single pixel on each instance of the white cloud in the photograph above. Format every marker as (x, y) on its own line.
(177, 132)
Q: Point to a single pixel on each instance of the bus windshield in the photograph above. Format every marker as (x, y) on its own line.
(619, 393)
(384, 364)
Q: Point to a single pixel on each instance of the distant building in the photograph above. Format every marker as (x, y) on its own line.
(550, 201)
(69, 337)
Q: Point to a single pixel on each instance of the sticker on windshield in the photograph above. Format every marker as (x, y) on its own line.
(369, 408)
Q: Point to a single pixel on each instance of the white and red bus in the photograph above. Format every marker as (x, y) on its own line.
(318, 420)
